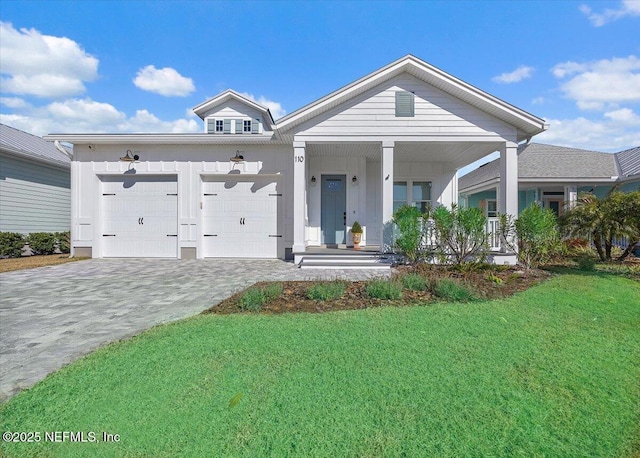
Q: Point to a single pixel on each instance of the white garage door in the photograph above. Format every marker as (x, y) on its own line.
(140, 217)
(240, 218)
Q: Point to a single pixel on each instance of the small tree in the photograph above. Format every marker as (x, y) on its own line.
(461, 233)
(617, 215)
(535, 232)
(409, 240)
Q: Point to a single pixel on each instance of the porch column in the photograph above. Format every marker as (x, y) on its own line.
(508, 191)
(570, 196)
(299, 196)
(387, 195)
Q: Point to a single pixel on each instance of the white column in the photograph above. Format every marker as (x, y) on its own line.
(299, 196)
(387, 194)
(570, 196)
(508, 192)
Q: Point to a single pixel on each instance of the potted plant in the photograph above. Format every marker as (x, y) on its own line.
(356, 233)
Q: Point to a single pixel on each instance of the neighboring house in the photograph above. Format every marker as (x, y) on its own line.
(35, 187)
(249, 186)
(553, 176)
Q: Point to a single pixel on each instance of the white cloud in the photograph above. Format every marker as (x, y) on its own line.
(627, 8)
(616, 131)
(601, 84)
(520, 73)
(164, 81)
(14, 102)
(86, 115)
(43, 65)
(538, 100)
(274, 107)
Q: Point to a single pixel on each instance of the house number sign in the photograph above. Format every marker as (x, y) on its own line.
(298, 158)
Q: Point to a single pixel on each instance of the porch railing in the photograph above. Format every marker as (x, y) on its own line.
(493, 231)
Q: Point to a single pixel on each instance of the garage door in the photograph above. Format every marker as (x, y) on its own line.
(240, 218)
(140, 217)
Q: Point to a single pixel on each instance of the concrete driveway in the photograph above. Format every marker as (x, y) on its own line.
(51, 316)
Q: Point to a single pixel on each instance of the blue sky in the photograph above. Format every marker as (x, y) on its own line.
(137, 66)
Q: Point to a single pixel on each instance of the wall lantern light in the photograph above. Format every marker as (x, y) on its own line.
(313, 180)
(129, 157)
(238, 157)
(354, 180)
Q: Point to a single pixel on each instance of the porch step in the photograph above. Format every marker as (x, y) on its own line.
(347, 261)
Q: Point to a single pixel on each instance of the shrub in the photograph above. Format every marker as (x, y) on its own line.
(42, 242)
(461, 233)
(451, 290)
(356, 228)
(409, 240)
(536, 232)
(493, 278)
(414, 282)
(254, 298)
(326, 291)
(11, 244)
(384, 289)
(586, 262)
(64, 241)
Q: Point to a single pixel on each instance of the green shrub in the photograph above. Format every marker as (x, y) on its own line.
(11, 244)
(493, 278)
(408, 221)
(452, 291)
(414, 282)
(586, 262)
(64, 241)
(255, 297)
(356, 228)
(384, 289)
(42, 242)
(461, 233)
(326, 291)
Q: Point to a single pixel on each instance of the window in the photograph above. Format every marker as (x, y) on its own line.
(219, 125)
(492, 208)
(405, 104)
(246, 127)
(421, 195)
(399, 194)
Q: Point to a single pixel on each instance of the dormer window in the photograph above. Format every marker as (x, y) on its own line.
(232, 126)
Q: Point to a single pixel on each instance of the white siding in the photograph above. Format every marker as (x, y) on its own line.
(436, 113)
(190, 163)
(33, 197)
(234, 110)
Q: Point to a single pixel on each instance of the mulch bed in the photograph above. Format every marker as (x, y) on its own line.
(31, 262)
(294, 295)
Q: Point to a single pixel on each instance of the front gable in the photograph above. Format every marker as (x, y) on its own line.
(405, 105)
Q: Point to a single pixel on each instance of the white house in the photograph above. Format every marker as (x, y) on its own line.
(249, 186)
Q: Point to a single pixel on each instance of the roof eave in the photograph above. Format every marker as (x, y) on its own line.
(169, 139)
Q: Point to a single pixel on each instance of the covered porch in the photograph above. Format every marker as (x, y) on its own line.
(339, 182)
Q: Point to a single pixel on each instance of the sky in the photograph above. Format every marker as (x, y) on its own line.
(138, 66)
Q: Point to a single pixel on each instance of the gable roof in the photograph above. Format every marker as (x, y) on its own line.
(230, 94)
(540, 162)
(27, 146)
(629, 161)
(527, 124)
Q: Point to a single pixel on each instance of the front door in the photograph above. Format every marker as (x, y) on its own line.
(333, 198)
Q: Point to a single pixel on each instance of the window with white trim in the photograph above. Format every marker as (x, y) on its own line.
(421, 195)
(399, 194)
(246, 126)
(219, 126)
(492, 208)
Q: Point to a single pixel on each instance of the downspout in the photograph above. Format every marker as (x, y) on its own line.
(63, 150)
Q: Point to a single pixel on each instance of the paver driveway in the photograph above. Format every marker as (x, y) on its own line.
(51, 316)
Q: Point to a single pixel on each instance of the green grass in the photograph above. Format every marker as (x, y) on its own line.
(550, 372)
(255, 297)
(414, 282)
(326, 291)
(384, 289)
(453, 291)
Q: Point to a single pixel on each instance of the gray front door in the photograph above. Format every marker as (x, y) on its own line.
(333, 198)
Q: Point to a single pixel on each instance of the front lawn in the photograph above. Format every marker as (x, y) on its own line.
(552, 371)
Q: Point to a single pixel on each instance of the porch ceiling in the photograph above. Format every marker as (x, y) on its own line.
(458, 154)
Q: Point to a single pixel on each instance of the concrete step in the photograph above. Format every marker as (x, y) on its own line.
(344, 265)
(344, 261)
